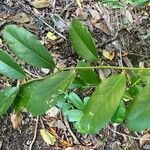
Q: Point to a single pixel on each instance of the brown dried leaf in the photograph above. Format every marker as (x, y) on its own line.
(95, 14)
(57, 124)
(79, 13)
(77, 147)
(64, 143)
(16, 120)
(144, 138)
(103, 27)
(40, 3)
(21, 18)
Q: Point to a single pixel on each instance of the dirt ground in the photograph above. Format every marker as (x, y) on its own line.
(124, 32)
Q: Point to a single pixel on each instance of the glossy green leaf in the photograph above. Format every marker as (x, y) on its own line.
(76, 101)
(27, 47)
(9, 68)
(119, 115)
(89, 76)
(82, 41)
(7, 96)
(103, 103)
(138, 116)
(43, 96)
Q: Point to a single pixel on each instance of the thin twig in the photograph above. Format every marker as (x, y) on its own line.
(76, 141)
(44, 22)
(52, 29)
(101, 45)
(104, 67)
(35, 133)
(133, 137)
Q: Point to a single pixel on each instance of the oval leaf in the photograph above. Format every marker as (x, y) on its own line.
(82, 41)
(103, 103)
(27, 47)
(7, 96)
(89, 76)
(138, 116)
(43, 96)
(9, 68)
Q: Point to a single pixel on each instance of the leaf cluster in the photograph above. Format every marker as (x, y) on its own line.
(119, 98)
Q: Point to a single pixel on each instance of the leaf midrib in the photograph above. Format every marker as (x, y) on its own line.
(34, 52)
(54, 87)
(107, 96)
(83, 41)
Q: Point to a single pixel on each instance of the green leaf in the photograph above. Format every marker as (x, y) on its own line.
(64, 106)
(7, 96)
(103, 103)
(27, 47)
(22, 99)
(43, 96)
(138, 116)
(74, 115)
(119, 115)
(144, 75)
(82, 41)
(77, 83)
(140, 2)
(9, 68)
(76, 101)
(89, 76)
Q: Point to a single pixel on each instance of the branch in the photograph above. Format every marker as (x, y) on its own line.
(104, 67)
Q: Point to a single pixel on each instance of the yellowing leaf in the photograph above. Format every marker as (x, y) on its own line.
(51, 36)
(40, 3)
(47, 137)
(109, 55)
